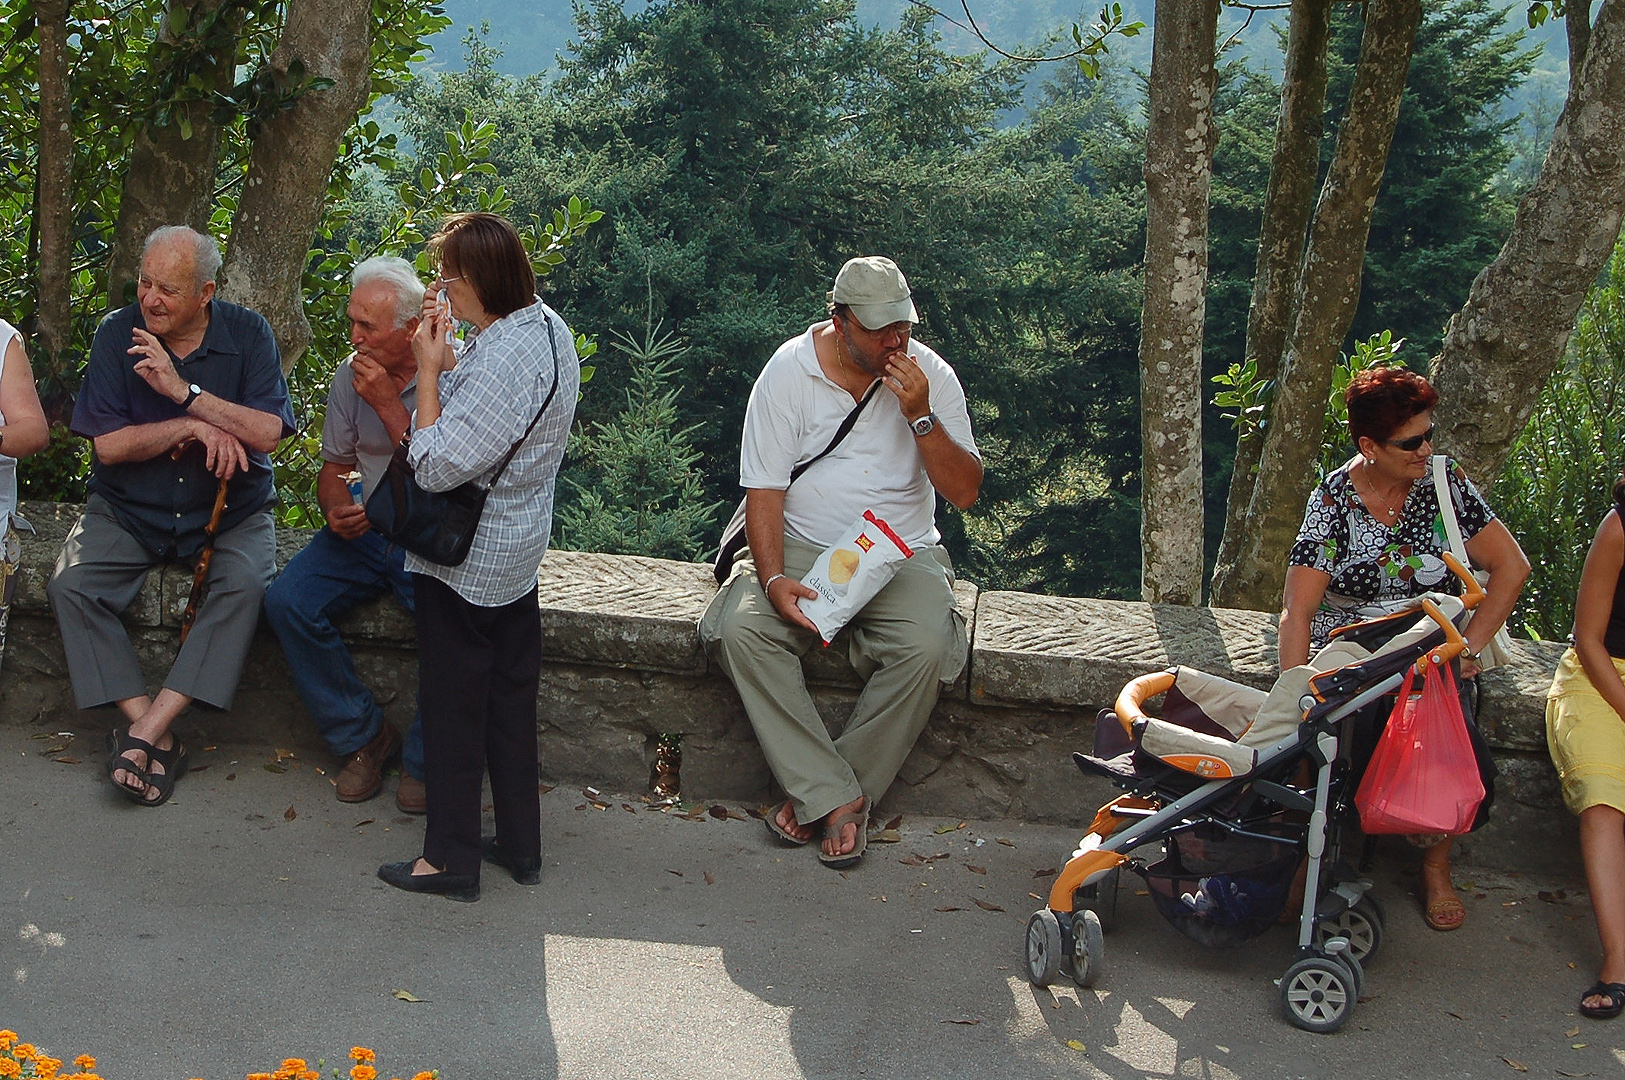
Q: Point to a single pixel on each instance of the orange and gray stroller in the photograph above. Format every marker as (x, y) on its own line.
(1228, 793)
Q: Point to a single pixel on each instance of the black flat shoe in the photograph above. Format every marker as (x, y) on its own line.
(524, 871)
(464, 887)
(1614, 992)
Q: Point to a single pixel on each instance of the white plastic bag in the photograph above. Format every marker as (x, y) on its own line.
(850, 571)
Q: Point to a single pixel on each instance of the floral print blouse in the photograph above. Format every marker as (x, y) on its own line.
(1375, 568)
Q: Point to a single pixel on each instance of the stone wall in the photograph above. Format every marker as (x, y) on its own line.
(623, 666)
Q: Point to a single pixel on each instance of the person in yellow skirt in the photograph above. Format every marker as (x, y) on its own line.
(1585, 730)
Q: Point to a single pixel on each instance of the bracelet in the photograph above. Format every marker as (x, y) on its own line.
(769, 582)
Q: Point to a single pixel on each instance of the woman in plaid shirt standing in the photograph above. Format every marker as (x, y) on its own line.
(479, 630)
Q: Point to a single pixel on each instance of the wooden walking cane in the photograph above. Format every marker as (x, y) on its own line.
(201, 573)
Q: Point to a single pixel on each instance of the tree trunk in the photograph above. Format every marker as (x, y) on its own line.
(54, 193)
(1327, 294)
(1577, 24)
(1502, 345)
(1288, 205)
(292, 160)
(172, 168)
(1178, 171)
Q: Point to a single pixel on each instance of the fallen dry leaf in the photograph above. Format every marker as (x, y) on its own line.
(985, 906)
(940, 829)
(199, 768)
(950, 907)
(289, 814)
(406, 995)
(65, 760)
(1578, 1046)
(543, 789)
(365, 821)
(1518, 1065)
(1046, 872)
(1560, 1072)
(760, 812)
(719, 812)
(1555, 897)
(271, 766)
(931, 858)
(696, 814)
(735, 815)
(49, 750)
(710, 878)
(1074, 1044)
(976, 869)
(1572, 1032)
(284, 755)
(231, 776)
(965, 1022)
(1457, 1015)
(886, 836)
(1006, 843)
(629, 808)
(895, 822)
(582, 806)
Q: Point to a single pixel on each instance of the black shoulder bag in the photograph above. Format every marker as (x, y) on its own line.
(733, 537)
(440, 525)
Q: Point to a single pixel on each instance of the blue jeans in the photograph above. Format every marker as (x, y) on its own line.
(330, 577)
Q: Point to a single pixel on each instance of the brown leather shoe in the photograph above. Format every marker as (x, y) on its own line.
(363, 772)
(412, 796)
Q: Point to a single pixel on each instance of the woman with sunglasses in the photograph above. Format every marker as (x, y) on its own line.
(1371, 541)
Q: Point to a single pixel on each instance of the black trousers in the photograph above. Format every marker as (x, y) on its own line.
(478, 670)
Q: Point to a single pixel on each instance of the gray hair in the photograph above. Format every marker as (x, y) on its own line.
(401, 277)
(205, 252)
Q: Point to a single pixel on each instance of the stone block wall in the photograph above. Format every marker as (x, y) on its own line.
(623, 665)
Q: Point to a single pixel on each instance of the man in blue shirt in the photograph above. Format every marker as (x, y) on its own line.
(183, 393)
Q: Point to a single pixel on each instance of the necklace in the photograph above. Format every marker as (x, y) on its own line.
(1387, 504)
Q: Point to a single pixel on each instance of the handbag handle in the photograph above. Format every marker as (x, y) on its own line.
(1447, 510)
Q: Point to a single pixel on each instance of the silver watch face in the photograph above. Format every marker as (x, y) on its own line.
(924, 424)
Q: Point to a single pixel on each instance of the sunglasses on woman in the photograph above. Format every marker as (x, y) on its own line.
(1414, 443)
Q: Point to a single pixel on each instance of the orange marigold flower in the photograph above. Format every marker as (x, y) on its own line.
(361, 1053)
(84, 1062)
(24, 1051)
(46, 1067)
(363, 1072)
(426, 1075)
(294, 1064)
(260, 1076)
(7, 1037)
(9, 1068)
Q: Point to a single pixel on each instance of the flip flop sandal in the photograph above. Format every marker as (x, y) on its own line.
(120, 744)
(175, 762)
(1434, 914)
(784, 835)
(832, 828)
(1614, 992)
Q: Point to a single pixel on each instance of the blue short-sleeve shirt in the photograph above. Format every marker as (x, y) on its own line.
(164, 503)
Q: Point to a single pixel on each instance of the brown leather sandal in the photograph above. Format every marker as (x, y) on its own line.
(832, 828)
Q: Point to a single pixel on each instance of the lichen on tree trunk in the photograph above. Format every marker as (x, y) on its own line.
(293, 157)
(1288, 205)
(1178, 172)
(1502, 345)
(1327, 294)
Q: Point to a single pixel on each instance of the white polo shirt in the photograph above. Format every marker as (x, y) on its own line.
(794, 412)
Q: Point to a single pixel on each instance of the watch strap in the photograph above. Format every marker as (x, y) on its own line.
(192, 392)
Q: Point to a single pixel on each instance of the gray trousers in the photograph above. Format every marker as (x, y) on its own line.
(905, 643)
(100, 571)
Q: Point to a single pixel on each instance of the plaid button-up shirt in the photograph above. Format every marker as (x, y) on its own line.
(503, 375)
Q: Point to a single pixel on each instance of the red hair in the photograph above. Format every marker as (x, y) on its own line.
(1382, 399)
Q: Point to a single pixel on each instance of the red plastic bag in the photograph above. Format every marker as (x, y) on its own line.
(1423, 776)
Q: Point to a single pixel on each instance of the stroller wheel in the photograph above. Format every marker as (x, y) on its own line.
(1318, 994)
(1362, 924)
(1088, 948)
(1101, 898)
(1044, 947)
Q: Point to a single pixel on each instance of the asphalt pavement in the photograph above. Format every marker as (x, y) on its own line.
(242, 924)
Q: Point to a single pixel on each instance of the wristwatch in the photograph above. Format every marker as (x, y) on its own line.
(924, 425)
(192, 393)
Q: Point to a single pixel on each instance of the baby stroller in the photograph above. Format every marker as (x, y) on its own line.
(1228, 793)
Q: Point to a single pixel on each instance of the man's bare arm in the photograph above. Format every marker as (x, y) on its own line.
(764, 531)
(142, 442)
(254, 429)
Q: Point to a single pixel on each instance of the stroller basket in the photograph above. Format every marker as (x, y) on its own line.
(1221, 889)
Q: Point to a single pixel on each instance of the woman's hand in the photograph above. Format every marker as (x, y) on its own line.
(429, 346)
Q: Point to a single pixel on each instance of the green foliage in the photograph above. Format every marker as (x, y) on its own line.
(1093, 44)
(1556, 486)
(638, 488)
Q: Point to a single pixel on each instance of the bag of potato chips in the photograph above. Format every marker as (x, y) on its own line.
(850, 571)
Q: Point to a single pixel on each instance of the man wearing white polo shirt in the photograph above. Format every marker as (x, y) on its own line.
(911, 440)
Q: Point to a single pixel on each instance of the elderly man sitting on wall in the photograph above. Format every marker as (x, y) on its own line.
(369, 409)
(183, 400)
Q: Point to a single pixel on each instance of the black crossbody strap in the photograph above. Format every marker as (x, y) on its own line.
(840, 433)
(553, 343)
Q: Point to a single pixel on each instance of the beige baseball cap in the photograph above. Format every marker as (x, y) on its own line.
(875, 291)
